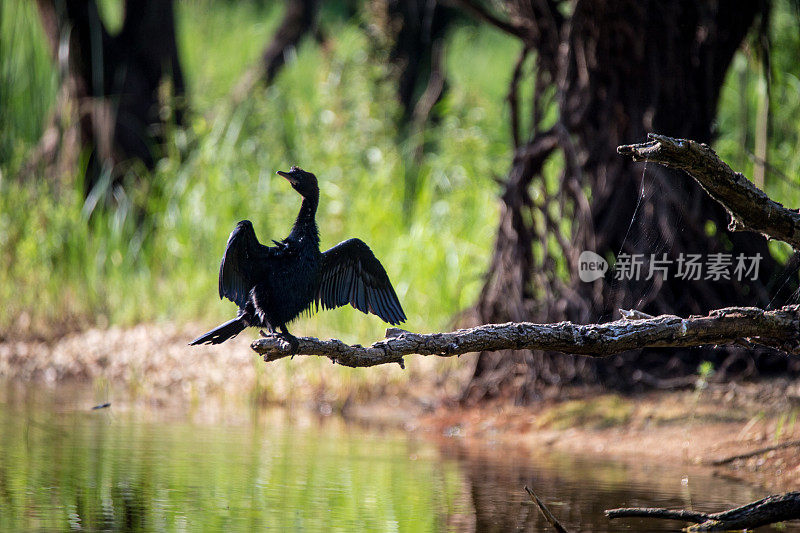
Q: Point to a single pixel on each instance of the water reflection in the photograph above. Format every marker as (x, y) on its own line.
(577, 490)
(65, 466)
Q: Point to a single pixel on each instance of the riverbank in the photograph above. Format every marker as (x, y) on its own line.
(153, 366)
(707, 428)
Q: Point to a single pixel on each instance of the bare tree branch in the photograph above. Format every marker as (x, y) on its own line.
(482, 13)
(513, 97)
(749, 207)
(657, 512)
(778, 328)
(775, 508)
(760, 451)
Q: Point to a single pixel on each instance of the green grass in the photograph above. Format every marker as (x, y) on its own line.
(28, 82)
(65, 264)
(332, 112)
(736, 121)
(219, 41)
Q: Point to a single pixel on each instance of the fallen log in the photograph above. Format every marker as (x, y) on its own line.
(769, 510)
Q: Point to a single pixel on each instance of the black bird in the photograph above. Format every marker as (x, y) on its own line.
(273, 285)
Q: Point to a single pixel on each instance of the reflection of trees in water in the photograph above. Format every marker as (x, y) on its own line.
(125, 508)
(104, 471)
(578, 490)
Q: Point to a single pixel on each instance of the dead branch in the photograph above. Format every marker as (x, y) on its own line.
(760, 451)
(658, 512)
(550, 517)
(513, 97)
(482, 13)
(769, 510)
(749, 207)
(778, 328)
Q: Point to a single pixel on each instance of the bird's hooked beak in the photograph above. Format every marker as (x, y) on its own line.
(289, 176)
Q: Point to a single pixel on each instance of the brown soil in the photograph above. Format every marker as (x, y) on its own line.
(696, 427)
(689, 427)
(678, 427)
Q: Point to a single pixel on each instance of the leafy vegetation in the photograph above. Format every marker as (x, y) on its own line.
(152, 252)
(333, 113)
(745, 90)
(28, 82)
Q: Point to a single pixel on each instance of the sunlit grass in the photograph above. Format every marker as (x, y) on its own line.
(744, 89)
(28, 81)
(333, 113)
(218, 43)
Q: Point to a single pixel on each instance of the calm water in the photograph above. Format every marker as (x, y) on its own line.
(64, 466)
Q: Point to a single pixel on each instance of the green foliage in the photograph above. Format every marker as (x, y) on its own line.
(743, 92)
(153, 251)
(28, 83)
(785, 424)
(218, 42)
(704, 371)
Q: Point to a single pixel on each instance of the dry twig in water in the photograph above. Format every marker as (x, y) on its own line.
(551, 519)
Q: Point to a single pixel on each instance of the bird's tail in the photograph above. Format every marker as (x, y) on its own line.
(223, 332)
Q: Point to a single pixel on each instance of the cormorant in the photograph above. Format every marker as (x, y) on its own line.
(273, 285)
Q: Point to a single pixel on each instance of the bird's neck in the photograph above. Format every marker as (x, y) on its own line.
(306, 224)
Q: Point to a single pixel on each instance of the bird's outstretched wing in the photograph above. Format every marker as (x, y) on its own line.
(351, 274)
(241, 263)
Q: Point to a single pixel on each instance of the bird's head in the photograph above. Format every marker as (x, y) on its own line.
(303, 182)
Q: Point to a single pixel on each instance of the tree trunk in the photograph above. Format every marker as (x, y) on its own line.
(110, 83)
(418, 28)
(619, 69)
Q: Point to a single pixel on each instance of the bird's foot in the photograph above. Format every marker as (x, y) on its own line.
(294, 344)
(288, 338)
